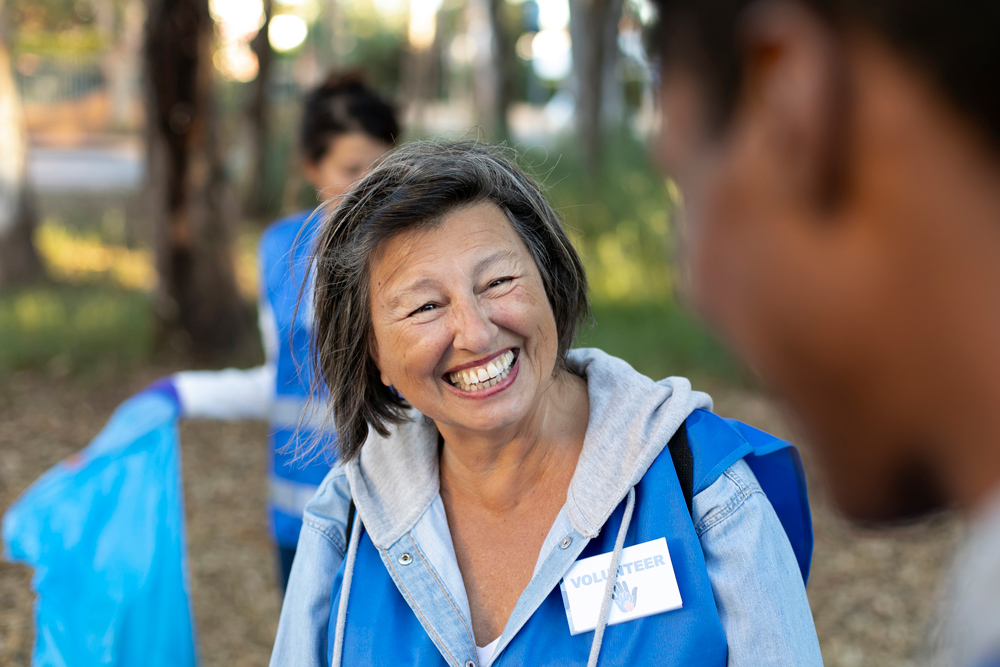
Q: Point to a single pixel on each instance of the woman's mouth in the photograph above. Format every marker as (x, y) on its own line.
(483, 377)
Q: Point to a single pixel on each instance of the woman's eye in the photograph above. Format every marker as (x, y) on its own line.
(499, 281)
(424, 308)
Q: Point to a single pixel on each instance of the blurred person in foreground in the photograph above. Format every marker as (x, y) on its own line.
(840, 166)
(502, 499)
(346, 128)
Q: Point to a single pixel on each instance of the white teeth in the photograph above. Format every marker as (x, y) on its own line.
(493, 373)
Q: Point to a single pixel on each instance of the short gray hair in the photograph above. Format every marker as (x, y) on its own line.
(415, 186)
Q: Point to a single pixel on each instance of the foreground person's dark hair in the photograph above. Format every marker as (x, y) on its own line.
(417, 186)
(954, 43)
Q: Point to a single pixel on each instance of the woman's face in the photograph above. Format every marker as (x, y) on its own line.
(346, 160)
(463, 328)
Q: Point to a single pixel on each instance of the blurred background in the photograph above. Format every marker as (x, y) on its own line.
(100, 203)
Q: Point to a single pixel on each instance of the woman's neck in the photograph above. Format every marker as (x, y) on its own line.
(499, 471)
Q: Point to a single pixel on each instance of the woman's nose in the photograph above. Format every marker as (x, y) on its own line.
(474, 331)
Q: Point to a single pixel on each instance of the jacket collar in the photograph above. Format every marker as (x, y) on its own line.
(395, 479)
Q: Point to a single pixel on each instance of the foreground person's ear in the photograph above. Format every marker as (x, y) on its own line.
(373, 353)
(796, 92)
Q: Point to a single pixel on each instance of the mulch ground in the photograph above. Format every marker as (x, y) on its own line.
(872, 593)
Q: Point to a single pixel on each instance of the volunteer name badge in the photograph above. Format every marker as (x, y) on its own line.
(646, 585)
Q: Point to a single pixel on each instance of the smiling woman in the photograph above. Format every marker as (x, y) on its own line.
(506, 500)
(373, 256)
(461, 315)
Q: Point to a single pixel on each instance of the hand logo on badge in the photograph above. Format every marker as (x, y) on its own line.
(623, 598)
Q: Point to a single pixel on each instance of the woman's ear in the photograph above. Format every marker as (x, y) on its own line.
(373, 353)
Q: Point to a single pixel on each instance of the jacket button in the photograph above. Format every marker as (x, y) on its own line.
(469, 663)
(405, 559)
(566, 541)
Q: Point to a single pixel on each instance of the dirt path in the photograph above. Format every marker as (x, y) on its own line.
(872, 595)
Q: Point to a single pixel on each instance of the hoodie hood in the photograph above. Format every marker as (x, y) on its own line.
(395, 479)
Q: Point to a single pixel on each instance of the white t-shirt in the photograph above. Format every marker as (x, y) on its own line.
(485, 653)
(234, 393)
(971, 623)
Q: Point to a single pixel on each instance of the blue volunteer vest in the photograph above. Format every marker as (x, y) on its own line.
(382, 630)
(285, 262)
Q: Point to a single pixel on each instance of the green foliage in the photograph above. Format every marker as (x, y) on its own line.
(619, 219)
(81, 40)
(659, 340)
(100, 316)
(48, 15)
(620, 223)
(71, 330)
(85, 329)
(373, 42)
(55, 27)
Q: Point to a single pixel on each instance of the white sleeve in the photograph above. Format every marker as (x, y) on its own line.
(234, 393)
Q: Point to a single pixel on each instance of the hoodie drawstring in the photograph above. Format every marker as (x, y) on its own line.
(345, 592)
(609, 586)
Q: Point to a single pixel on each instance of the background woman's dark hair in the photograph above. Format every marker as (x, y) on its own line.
(341, 105)
(414, 187)
(954, 42)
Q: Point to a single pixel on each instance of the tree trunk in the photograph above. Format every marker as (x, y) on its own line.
(420, 73)
(19, 262)
(594, 30)
(492, 81)
(332, 46)
(187, 195)
(122, 40)
(260, 199)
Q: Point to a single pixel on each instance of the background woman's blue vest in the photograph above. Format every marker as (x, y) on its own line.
(285, 268)
(382, 630)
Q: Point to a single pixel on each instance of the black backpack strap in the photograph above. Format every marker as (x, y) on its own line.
(680, 452)
(351, 511)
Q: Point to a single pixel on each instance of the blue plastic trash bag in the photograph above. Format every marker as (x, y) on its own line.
(104, 531)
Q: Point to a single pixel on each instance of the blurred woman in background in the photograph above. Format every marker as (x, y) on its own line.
(346, 128)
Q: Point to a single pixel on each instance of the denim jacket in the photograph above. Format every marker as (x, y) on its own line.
(754, 576)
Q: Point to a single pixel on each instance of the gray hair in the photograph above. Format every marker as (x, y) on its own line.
(417, 186)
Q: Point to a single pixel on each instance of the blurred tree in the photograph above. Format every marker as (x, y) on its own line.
(119, 27)
(593, 26)
(492, 82)
(48, 15)
(330, 30)
(19, 260)
(421, 62)
(260, 199)
(187, 194)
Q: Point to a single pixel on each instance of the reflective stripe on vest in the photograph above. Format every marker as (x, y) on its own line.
(290, 497)
(294, 412)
